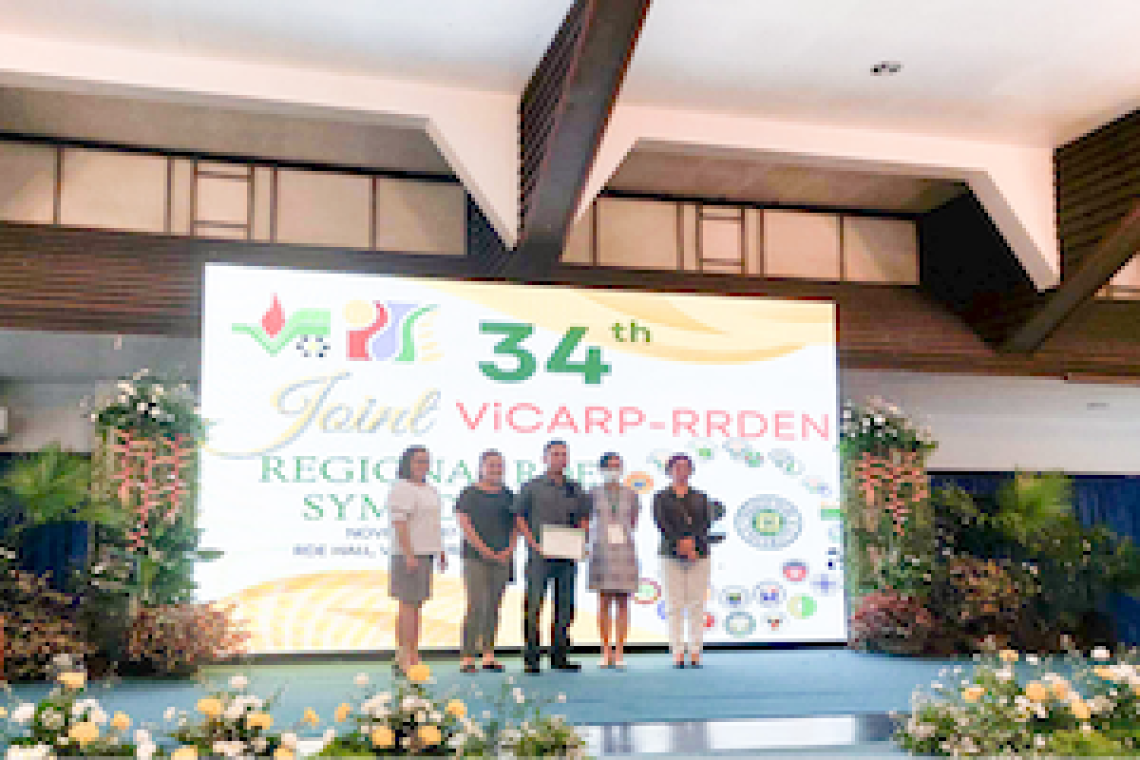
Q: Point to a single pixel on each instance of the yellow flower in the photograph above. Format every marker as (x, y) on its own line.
(429, 735)
(1060, 689)
(973, 694)
(382, 737)
(211, 707)
(311, 717)
(261, 720)
(84, 732)
(121, 721)
(1080, 710)
(189, 752)
(283, 753)
(342, 712)
(1009, 655)
(419, 673)
(73, 679)
(3, 713)
(456, 708)
(1037, 692)
(1107, 674)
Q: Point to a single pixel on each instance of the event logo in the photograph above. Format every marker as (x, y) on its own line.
(740, 624)
(795, 571)
(734, 596)
(388, 331)
(310, 328)
(802, 606)
(648, 591)
(770, 594)
(768, 522)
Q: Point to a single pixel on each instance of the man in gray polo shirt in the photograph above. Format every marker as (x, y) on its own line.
(550, 499)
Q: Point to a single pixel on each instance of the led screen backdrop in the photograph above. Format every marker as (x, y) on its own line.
(313, 384)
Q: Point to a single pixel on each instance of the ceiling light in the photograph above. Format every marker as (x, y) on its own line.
(886, 68)
(1096, 406)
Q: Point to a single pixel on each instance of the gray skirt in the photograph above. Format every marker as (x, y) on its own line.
(411, 587)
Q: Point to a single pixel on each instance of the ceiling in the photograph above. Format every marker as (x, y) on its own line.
(329, 138)
(756, 181)
(1025, 71)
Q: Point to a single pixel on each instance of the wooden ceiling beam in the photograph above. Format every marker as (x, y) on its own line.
(1093, 272)
(562, 118)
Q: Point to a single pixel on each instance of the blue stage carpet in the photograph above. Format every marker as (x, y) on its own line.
(732, 685)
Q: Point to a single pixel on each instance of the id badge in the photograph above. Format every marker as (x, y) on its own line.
(615, 534)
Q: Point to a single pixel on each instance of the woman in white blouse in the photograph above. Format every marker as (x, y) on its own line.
(414, 506)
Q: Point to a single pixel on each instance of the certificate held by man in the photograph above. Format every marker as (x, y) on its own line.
(559, 542)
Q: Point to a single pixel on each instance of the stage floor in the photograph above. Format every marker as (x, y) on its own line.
(741, 701)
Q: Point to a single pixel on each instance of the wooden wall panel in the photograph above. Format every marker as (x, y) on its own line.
(95, 281)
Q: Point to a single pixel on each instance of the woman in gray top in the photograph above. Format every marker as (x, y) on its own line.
(613, 561)
(489, 537)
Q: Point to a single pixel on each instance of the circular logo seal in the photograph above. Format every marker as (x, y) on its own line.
(768, 522)
(774, 622)
(802, 606)
(754, 459)
(795, 571)
(648, 591)
(817, 487)
(703, 450)
(737, 448)
(786, 462)
(659, 458)
(740, 624)
(734, 596)
(769, 594)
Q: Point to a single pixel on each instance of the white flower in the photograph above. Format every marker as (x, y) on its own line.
(562, 698)
(361, 679)
(435, 717)
(239, 682)
(24, 713)
(517, 693)
(145, 750)
(1005, 675)
(1033, 659)
(260, 744)
(289, 740)
(98, 716)
(141, 406)
(329, 735)
(1101, 653)
(169, 714)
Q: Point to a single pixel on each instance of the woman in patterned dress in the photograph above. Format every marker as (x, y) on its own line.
(613, 561)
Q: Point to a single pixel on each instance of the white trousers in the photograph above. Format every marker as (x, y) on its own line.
(686, 587)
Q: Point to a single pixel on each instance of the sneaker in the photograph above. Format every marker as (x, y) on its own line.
(532, 668)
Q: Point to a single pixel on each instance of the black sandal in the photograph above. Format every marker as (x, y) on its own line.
(469, 668)
(494, 667)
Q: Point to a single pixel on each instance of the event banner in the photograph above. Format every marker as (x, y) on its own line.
(314, 383)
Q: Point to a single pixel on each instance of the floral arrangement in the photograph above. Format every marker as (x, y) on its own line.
(891, 622)
(150, 406)
(66, 723)
(180, 638)
(36, 620)
(408, 720)
(1076, 706)
(879, 427)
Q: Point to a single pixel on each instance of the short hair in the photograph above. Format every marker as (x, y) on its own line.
(551, 444)
(404, 471)
(678, 458)
(487, 455)
(607, 457)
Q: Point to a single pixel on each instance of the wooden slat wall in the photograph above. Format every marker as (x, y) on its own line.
(92, 281)
(1098, 180)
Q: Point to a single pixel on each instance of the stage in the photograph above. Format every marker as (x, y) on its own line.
(808, 701)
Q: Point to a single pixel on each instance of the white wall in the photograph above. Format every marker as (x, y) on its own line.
(1000, 423)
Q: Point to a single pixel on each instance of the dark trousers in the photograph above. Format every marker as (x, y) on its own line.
(539, 573)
